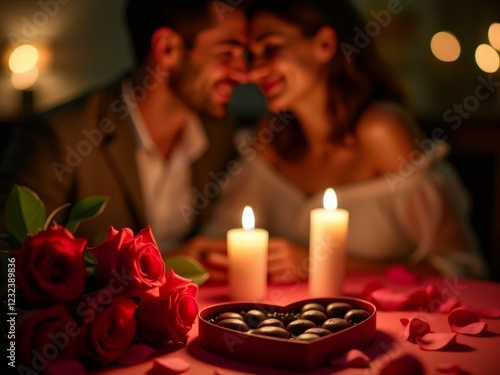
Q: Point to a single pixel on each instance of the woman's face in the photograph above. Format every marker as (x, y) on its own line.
(285, 65)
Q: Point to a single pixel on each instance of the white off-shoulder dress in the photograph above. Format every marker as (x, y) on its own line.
(420, 213)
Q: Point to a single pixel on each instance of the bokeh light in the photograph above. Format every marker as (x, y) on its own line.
(487, 58)
(23, 59)
(445, 46)
(494, 35)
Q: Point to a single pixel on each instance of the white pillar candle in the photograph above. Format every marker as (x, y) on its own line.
(327, 252)
(247, 257)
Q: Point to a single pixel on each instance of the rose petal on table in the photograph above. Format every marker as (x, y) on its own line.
(401, 275)
(470, 329)
(465, 320)
(433, 294)
(490, 313)
(406, 364)
(448, 368)
(449, 305)
(69, 366)
(436, 303)
(371, 287)
(169, 365)
(136, 354)
(436, 341)
(391, 300)
(417, 299)
(352, 358)
(388, 299)
(414, 328)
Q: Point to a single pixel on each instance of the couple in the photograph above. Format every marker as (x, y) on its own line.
(154, 141)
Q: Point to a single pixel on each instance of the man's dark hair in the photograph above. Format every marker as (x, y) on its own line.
(186, 17)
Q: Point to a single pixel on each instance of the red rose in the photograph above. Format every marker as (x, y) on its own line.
(169, 317)
(51, 267)
(133, 262)
(47, 335)
(108, 325)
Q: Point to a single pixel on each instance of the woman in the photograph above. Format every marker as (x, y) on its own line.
(339, 121)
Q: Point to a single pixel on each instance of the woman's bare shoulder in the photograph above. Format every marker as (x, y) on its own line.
(387, 135)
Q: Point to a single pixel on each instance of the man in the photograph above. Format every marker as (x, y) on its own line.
(154, 141)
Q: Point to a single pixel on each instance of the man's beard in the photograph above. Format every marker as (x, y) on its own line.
(196, 98)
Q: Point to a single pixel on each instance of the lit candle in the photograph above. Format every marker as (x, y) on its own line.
(247, 257)
(327, 253)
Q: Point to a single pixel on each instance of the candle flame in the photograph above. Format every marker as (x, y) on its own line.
(330, 199)
(248, 219)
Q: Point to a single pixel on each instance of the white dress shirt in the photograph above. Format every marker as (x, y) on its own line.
(166, 183)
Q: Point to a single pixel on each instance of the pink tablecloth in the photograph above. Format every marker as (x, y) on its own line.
(477, 355)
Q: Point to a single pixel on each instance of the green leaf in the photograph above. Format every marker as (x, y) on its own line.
(86, 209)
(53, 214)
(187, 267)
(24, 212)
(90, 261)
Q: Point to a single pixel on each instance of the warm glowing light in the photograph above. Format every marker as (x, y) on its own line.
(330, 199)
(248, 219)
(494, 35)
(23, 81)
(445, 46)
(487, 58)
(23, 59)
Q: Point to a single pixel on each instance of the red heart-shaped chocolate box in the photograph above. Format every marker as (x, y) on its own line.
(284, 353)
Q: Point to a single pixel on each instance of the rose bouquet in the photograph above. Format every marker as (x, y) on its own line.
(72, 302)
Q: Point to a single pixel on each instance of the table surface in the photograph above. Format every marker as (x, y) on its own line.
(477, 355)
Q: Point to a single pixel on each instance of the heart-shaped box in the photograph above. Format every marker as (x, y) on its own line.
(284, 353)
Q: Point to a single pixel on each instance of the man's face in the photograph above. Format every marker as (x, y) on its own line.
(214, 66)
